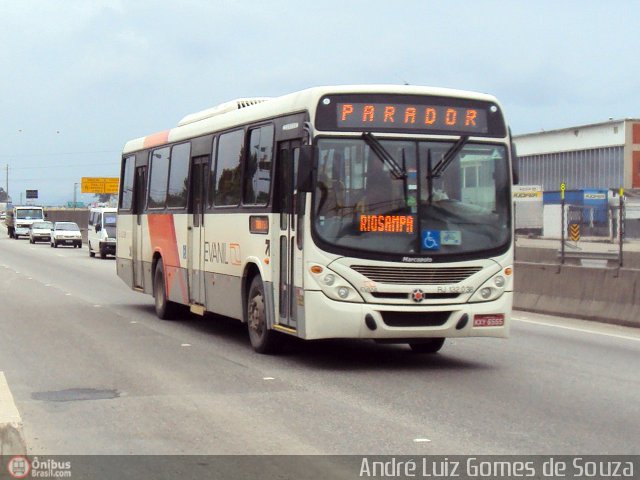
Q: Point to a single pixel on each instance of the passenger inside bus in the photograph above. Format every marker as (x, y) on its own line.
(331, 201)
(382, 194)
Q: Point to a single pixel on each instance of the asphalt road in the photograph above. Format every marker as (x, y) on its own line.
(93, 371)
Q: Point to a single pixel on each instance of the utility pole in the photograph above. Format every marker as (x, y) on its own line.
(75, 187)
(7, 187)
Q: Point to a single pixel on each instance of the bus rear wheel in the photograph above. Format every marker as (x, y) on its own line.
(262, 339)
(165, 309)
(430, 345)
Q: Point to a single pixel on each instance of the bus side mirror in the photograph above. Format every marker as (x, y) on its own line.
(305, 168)
(515, 165)
(98, 228)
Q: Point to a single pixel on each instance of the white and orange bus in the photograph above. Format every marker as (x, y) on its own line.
(377, 212)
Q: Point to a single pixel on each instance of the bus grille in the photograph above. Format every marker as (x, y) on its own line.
(416, 276)
(415, 319)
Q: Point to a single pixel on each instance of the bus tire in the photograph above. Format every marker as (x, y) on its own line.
(91, 252)
(431, 345)
(165, 309)
(262, 339)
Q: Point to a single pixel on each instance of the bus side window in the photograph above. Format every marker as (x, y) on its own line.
(126, 188)
(228, 168)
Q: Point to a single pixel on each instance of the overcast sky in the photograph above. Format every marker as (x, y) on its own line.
(79, 78)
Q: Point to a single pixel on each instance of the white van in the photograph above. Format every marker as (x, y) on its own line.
(101, 234)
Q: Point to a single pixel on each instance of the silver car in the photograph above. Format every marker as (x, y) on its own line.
(40, 232)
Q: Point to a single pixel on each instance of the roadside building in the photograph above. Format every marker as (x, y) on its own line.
(597, 156)
(593, 161)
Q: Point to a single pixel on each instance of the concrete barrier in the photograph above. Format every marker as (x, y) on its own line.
(12, 440)
(608, 295)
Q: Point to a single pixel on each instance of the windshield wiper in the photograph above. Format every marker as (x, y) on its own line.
(396, 170)
(448, 157)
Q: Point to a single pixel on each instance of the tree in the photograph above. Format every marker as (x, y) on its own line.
(104, 197)
(3, 195)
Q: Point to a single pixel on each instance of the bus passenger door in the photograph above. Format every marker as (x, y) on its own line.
(290, 273)
(199, 177)
(140, 195)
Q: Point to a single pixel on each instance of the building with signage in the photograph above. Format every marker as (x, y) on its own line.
(597, 156)
(593, 161)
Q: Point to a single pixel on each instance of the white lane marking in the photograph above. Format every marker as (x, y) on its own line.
(133, 321)
(8, 410)
(185, 345)
(268, 378)
(577, 329)
(421, 440)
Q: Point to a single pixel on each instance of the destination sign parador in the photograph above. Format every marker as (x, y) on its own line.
(409, 114)
(411, 117)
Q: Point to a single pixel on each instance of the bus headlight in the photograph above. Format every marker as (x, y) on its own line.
(329, 279)
(334, 286)
(492, 288)
(343, 293)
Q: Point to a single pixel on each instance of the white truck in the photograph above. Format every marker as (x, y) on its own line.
(20, 218)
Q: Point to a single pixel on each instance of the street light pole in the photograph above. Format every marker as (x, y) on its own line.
(75, 187)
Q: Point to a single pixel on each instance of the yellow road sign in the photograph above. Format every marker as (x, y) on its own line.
(99, 185)
(111, 185)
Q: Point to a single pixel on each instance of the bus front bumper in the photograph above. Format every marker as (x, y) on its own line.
(326, 318)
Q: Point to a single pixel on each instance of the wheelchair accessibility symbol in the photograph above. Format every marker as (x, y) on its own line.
(430, 239)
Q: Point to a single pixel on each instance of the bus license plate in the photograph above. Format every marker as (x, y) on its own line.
(490, 320)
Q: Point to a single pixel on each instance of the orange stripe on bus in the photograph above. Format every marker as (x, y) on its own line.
(162, 233)
(155, 139)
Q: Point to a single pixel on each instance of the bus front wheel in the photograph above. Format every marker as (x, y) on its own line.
(430, 345)
(165, 309)
(262, 339)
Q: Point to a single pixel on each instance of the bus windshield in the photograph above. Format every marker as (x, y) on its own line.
(416, 198)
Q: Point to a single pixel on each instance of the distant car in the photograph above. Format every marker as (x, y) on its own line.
(40, 232)
(66, 233)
